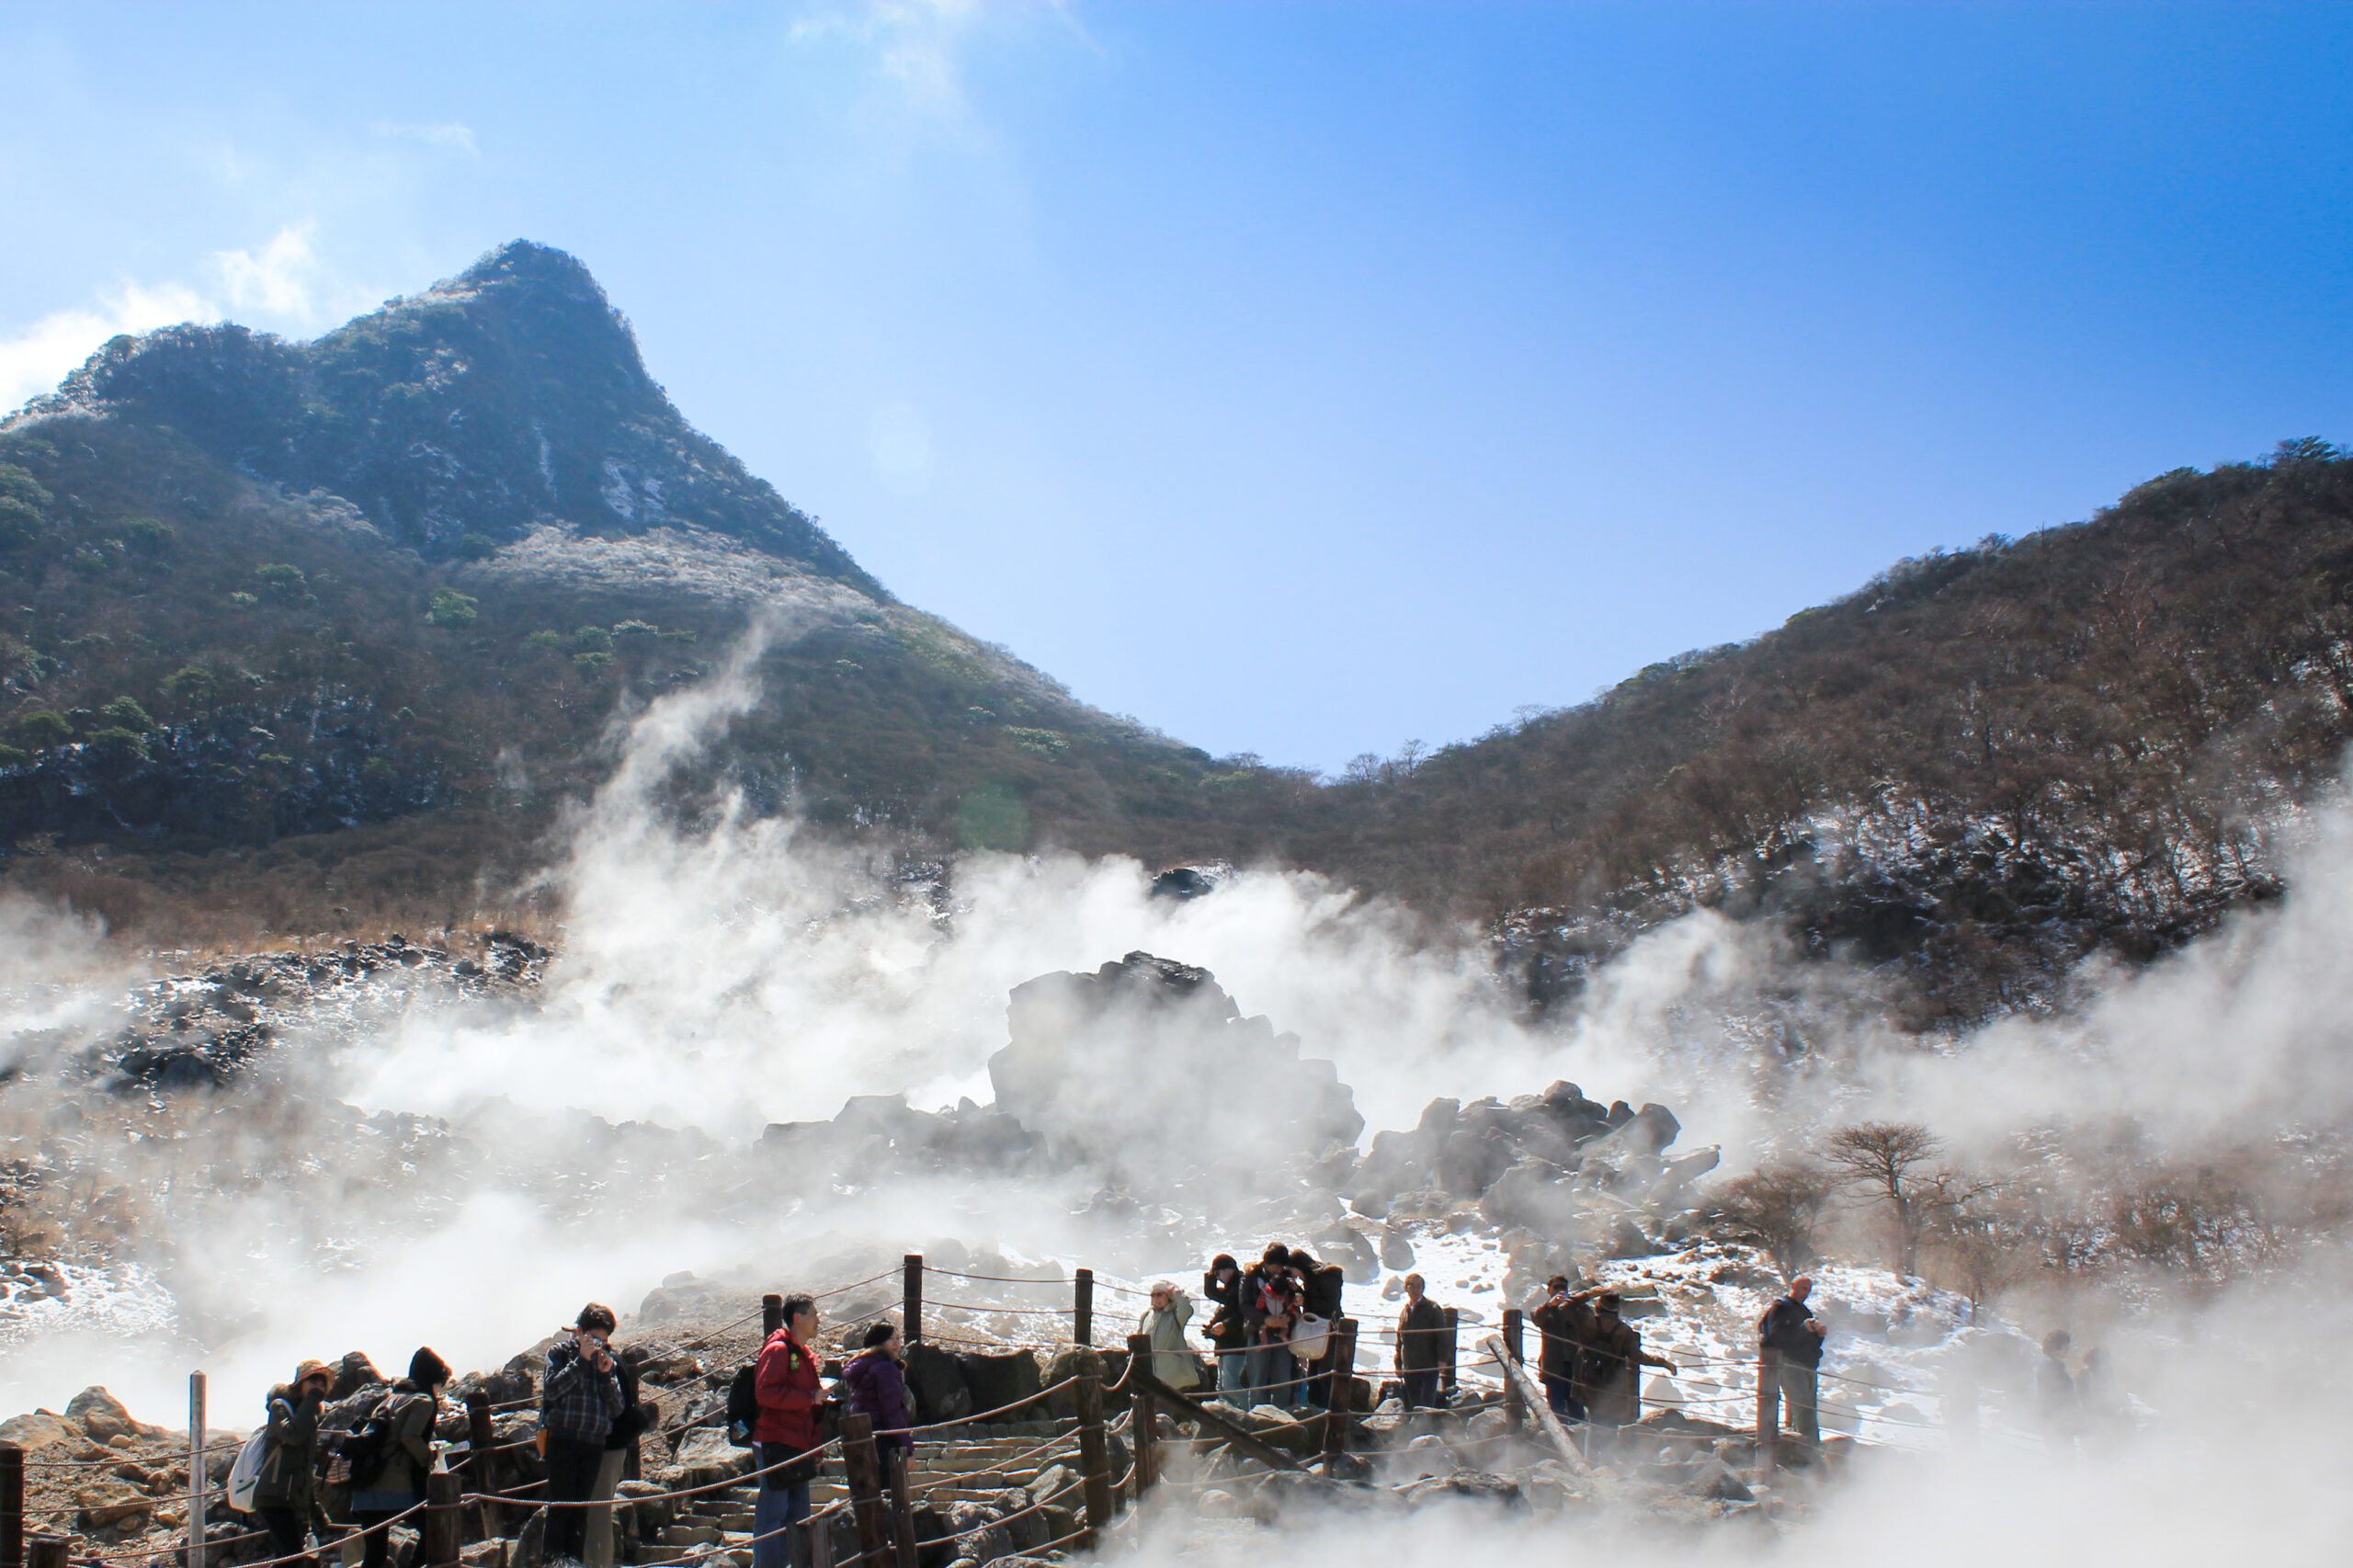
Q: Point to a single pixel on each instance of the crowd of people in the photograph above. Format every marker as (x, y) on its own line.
(1269, 1328)
(343, 1487)
(340, 1475)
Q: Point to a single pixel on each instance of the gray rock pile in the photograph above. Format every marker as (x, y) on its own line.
(1148, 1063)
(198, 1030)
(1555, 1172)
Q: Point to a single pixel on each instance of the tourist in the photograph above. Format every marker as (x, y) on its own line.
(1321, 1287)
(1565, 1321)
(1163, 1322)
(635, 1419)
(580, 1399)
(875, 1386)
(1794, 1335)
(2055, 1394)
(1259, 1287)
(1421, 1331)
(1274, 1372)
(789, 1393)
(1228, 1331)
(1609, 1371)
(410, 1414)
(286, 1498)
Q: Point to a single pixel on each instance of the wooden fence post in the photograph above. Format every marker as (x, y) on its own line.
(1450, 1345)
(1143, 1415)
(199, 1474)
(902, 1508)
(12, 1507)
(1511, 1348)
(441, 1536)
(1093, 1458)
(1340, 1395)
(817, 1539)
(1082, 1316)
(482, 1461)
(47, 1552)
(1768, 1407)
(911, 1301)
(771, 1315)
(865, 1488)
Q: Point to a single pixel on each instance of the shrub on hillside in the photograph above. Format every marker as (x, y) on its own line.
(451, 608)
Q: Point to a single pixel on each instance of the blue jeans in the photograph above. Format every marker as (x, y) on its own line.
(1559, 1394)
(775, 1512)
(1233, 1372)
(1274, 1375)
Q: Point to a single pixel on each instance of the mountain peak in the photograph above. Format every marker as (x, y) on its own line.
(506, 398)
(529, 261)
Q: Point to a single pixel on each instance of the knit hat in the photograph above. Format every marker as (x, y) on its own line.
(311, 1370)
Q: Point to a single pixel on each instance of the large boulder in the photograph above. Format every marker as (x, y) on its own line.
(999, 1379)
(1063, 1403)
(1476, 1485)
(980, 1534)
(1114, 1063)
(935, 1382)
(704, 1455)
(354, 1372)
(107, 1504)
(41, 1429)
(99, 1413)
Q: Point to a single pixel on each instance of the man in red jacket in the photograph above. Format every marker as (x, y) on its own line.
(788, 1393)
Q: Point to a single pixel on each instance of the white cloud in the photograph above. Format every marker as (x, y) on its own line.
(449, 134)
(278, 281)
(35, 360)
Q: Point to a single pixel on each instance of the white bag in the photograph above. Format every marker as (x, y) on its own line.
(244, 1475)
(1309, 1337)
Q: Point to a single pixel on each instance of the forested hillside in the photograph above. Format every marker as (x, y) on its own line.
(1979, 766)
(318, 637)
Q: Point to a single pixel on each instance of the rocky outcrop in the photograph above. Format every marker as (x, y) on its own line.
(198, 1030)
(1146, 1064)
(1553, 1172)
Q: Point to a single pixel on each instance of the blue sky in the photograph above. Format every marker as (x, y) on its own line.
(1297, 378)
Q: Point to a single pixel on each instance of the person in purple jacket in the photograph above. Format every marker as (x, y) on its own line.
(878, 1391)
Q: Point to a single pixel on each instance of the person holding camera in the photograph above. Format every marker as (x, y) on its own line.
(286, 1494)
(579, 1400)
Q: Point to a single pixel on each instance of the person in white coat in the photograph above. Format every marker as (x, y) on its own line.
(1165, 1323)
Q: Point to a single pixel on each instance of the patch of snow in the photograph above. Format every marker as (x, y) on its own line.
(123, 1301)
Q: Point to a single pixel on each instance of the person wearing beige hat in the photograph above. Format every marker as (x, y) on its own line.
(285, 1496)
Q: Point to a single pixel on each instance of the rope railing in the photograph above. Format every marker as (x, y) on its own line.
(223, 1446)
(1487, 1391)
(730, 1484)
(983, 1414)
(309, 1556)
(992, 1278)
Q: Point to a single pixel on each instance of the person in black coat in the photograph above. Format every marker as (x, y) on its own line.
(1229, 1326)
(1322, 1285)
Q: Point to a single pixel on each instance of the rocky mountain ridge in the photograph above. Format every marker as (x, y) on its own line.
(510, 397)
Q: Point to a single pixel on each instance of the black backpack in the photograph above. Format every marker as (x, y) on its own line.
(370, 1449)
(744, 1405)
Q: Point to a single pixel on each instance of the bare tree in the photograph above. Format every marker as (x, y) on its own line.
(1782, 1205)
(1987, 1244)
(1878, 1160)
(2205, 1227)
